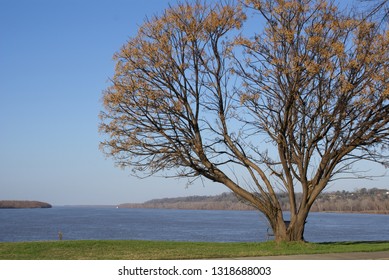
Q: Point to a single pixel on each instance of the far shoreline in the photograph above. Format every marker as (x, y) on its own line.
(334, 212)
(373, 201)
(201, 209)
(23, 204)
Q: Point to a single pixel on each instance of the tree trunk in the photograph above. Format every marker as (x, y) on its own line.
(292, 230)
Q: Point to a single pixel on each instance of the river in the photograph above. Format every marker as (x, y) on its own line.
(81, 223)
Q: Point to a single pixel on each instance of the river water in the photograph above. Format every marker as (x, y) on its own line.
(81, 223)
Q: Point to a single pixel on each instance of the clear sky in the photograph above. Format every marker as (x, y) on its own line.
(55, 61)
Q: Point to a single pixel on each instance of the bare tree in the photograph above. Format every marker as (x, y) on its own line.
(291, 107)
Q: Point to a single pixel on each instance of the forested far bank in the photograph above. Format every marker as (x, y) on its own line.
(10, 204)
(362, 201)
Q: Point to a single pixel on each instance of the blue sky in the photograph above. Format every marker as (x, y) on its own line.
(55, 61)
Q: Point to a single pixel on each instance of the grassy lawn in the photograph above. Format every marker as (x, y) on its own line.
(149, 250)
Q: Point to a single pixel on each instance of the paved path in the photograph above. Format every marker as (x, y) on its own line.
(383, 255)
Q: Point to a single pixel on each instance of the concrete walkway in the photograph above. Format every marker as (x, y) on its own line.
(383, 255)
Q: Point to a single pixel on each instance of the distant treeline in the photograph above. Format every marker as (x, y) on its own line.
(23, 204)
(362, 200)
(224, 201)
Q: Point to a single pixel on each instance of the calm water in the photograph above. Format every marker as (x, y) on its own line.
(178, 225)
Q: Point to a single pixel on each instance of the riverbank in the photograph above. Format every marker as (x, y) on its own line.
(21, 204)
(165, 250)
(373, 201)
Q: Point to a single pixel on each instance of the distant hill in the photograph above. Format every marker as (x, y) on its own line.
(361, 201)
(11, 204)
(224, 201)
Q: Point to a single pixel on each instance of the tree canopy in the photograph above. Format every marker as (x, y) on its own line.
(259, 95)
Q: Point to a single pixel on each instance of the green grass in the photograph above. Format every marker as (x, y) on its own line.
(157, 250)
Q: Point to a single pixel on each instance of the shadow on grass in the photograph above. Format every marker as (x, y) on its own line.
(354, 242)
